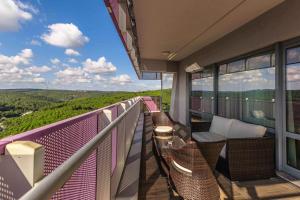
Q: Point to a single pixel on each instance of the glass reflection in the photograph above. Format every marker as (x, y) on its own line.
(293, 152)
(258, 62)
(249, 96)
(236, 66)
(293, 98)
(293, 55)
(202, 94)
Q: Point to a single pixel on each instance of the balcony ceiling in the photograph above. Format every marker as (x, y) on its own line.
(183, 27)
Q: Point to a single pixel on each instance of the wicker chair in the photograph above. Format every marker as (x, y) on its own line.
(191, 175)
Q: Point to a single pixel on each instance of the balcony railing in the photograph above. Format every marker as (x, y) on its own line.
(84, 155)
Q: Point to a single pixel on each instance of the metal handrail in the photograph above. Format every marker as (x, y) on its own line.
(48, 186)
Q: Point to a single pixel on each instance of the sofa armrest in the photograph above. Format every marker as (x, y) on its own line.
(251, 158)
(200, 126)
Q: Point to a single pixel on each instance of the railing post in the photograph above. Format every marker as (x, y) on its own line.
(29, 157)
(120, 163)
(104, 159)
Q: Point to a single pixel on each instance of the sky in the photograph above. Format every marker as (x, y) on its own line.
(56, 44)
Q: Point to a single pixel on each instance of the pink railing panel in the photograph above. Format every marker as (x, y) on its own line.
(150, 104)
(62, 139)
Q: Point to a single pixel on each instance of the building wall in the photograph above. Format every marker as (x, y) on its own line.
(279, 24)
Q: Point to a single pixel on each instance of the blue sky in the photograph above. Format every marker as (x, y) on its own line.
(63, 44)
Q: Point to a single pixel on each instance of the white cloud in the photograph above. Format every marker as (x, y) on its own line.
(12, 13)
(35, 43)
(64, 35)
(39, 80)
(99, 78)
(42, 69)
(55, 61)
(72, 75)
(26, 53)
(72, 60)
(122, 79)
(22, 58)
(27, 7)
(13, 69)
(65, 65)
(99, 66)
(71, 52)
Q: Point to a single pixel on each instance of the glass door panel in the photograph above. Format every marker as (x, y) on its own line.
(292, 112)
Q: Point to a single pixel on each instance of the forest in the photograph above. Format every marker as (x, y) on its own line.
(26, 109)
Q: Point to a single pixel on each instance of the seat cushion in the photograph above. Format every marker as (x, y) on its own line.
(207, 137)
(241, 129)
(220, 125)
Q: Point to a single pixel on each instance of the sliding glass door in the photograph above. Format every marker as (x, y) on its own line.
(291, 135)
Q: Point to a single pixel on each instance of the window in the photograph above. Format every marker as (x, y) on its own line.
(236, 66)
(151, 75)
(293, 90)
(222, 69)
(248, 95)
(293, 152)
(258, 62)
(293, 55)
(202, 95)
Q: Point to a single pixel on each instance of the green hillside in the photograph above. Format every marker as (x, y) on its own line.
(22, 110)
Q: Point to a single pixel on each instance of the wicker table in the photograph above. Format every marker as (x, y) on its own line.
(210, 145)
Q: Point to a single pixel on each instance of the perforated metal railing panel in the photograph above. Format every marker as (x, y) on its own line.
(63, 143)
(100, 173)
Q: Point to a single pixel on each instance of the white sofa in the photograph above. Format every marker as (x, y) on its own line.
(231, 128)
(248, 153)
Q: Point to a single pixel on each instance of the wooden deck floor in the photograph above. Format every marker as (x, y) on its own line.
(153, 185)
(274, 188)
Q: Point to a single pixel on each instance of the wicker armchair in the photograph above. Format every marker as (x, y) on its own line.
(250, 158)
(191, 175)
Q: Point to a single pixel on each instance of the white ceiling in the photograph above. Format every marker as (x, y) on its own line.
(185, 26)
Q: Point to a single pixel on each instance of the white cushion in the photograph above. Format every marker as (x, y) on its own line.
(181, 168)
(241, 129)
(207, 137)
(223, 152)
(220, 125)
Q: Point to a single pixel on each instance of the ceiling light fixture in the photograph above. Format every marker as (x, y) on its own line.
(193, 67)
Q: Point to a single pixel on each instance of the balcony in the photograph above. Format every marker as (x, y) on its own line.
(233, 126)
(108, 154)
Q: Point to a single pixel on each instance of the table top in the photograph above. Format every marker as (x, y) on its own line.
(163, 129)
